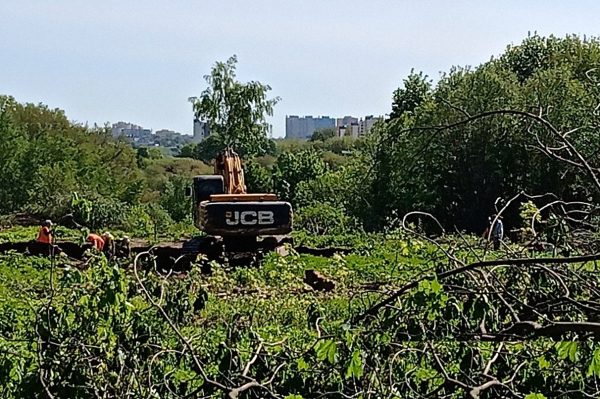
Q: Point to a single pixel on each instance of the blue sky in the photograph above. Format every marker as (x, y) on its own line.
(139, 60)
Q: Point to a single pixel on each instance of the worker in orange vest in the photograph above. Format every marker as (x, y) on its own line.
(96, 241)
(45, 233)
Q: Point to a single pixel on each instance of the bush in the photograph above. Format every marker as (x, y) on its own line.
(98, 212)
(323, 218)
(258, 178)
(100, 327)
(138, 222)
(293, 168)
(173, 198)
(149, 221)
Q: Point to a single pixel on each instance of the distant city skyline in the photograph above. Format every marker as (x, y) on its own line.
(303, 127)
(140, 136)
(125, 60)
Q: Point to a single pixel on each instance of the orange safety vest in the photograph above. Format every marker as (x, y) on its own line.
(97, 241)
(44, 235)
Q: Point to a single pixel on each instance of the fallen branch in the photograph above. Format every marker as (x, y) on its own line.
(373, 310)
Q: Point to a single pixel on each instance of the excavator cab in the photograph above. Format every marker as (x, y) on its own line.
(223, 208)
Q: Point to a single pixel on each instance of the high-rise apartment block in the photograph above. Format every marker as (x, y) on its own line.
(367, 123)
(354, 127)
(297, 127)
(346, 121)
(201, 130)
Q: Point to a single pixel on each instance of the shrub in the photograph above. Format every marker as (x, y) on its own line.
(323, 218)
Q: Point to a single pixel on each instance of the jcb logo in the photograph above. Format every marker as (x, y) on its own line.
(249, 218)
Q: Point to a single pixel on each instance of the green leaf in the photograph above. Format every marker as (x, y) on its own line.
(535, 396)
(543, 363)
(424, 286)
(594, 367)
(424, 373)
(327, 350)
(435, 286)
(302, 365)
(181, 375)
(332, 352)
(567, 349)
(355, 367)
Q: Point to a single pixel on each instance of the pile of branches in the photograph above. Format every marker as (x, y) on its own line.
(523, 324)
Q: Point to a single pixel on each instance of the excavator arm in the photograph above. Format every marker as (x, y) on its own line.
(229, 165)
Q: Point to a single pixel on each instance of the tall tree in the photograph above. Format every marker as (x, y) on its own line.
(415, 91)
(236, 112)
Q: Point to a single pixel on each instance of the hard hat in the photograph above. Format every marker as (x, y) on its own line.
(108, 235)
(48, 222)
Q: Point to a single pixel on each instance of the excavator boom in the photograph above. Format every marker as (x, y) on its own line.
(229, 165)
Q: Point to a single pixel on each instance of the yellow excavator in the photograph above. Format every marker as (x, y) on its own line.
(232, 218)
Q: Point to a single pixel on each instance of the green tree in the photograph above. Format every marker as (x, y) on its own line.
(259, 179)
(13, 150)
(174, 200)
(426, 160)
(415, 90)
(293, 168)
(323, 134)
(45, 158)
(143, 154)
(207, 149)
(236, 112)
(187, 151)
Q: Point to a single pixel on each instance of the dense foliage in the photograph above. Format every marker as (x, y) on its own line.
(453, 149)
(52, 168)
(407, 310)
(45, 158)
(521, 122)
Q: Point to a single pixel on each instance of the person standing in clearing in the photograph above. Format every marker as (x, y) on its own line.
(497, 233)
(45, 233)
